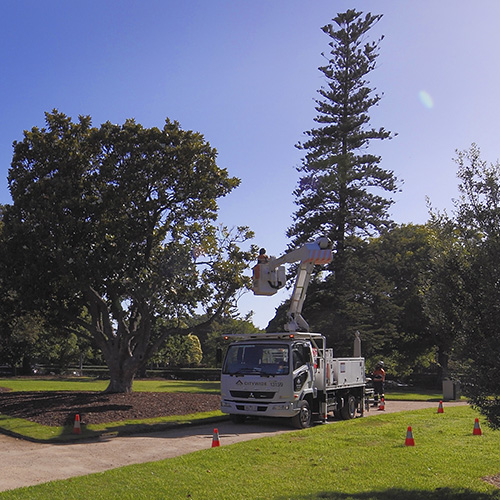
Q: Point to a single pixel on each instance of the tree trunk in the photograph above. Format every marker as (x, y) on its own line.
(121, 378)
(26, 369)
(124, 345)
(443, 359)
(120, 385)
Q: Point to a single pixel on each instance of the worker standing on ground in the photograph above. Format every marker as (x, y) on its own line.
(378, 381)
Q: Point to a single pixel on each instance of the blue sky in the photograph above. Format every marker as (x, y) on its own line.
(244, 73)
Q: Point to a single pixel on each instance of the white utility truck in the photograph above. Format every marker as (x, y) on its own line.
(291, 374)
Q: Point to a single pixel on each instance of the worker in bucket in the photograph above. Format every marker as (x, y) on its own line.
(262, 258)
(378, 381)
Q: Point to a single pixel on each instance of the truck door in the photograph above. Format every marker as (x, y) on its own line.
(302, 367)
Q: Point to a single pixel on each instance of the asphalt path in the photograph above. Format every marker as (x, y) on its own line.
(24, 463)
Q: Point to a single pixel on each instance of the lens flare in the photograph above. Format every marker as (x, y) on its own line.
(426, 99)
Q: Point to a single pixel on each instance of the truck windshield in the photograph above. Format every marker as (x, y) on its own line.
(262, 359)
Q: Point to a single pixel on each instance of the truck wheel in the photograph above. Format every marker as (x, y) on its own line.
(349, 409)
(303, 419)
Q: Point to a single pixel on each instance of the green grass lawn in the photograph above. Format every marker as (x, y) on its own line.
(413, 394)
(361, 459)
(94, 384)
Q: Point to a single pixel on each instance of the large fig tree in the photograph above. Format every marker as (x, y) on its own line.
(112, 232)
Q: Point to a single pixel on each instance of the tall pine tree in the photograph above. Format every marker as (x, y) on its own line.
(341, 190)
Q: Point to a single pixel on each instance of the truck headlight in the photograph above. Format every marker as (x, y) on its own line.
(281, 407)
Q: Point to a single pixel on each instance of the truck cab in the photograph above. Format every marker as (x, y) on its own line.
(272, 375)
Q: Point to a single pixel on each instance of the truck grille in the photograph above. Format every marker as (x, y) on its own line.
(252, 394)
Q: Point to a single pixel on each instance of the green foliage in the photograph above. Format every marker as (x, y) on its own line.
(443, 291)
(105, 230)
(336, 191)
(210, 340)
(341, 190)
(180, 350)
(401, 258)
(473, 261)
(28, 340)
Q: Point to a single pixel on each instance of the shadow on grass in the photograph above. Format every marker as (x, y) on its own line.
(399, 494)
(32, 404)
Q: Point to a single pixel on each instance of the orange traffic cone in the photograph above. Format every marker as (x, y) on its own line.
(215, 439)
(76, 426)
(409, 438)
(477, 428)
(440, 407)
(381, 406)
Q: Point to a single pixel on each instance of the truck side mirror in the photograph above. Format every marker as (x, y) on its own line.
(218, 356)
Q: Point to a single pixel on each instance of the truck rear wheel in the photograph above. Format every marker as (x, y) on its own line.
(348, 411)
(303, 419)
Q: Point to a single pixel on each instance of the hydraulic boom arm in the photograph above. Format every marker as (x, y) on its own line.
(269, 277)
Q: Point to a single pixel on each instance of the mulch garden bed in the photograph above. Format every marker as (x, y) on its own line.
(60, 408)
